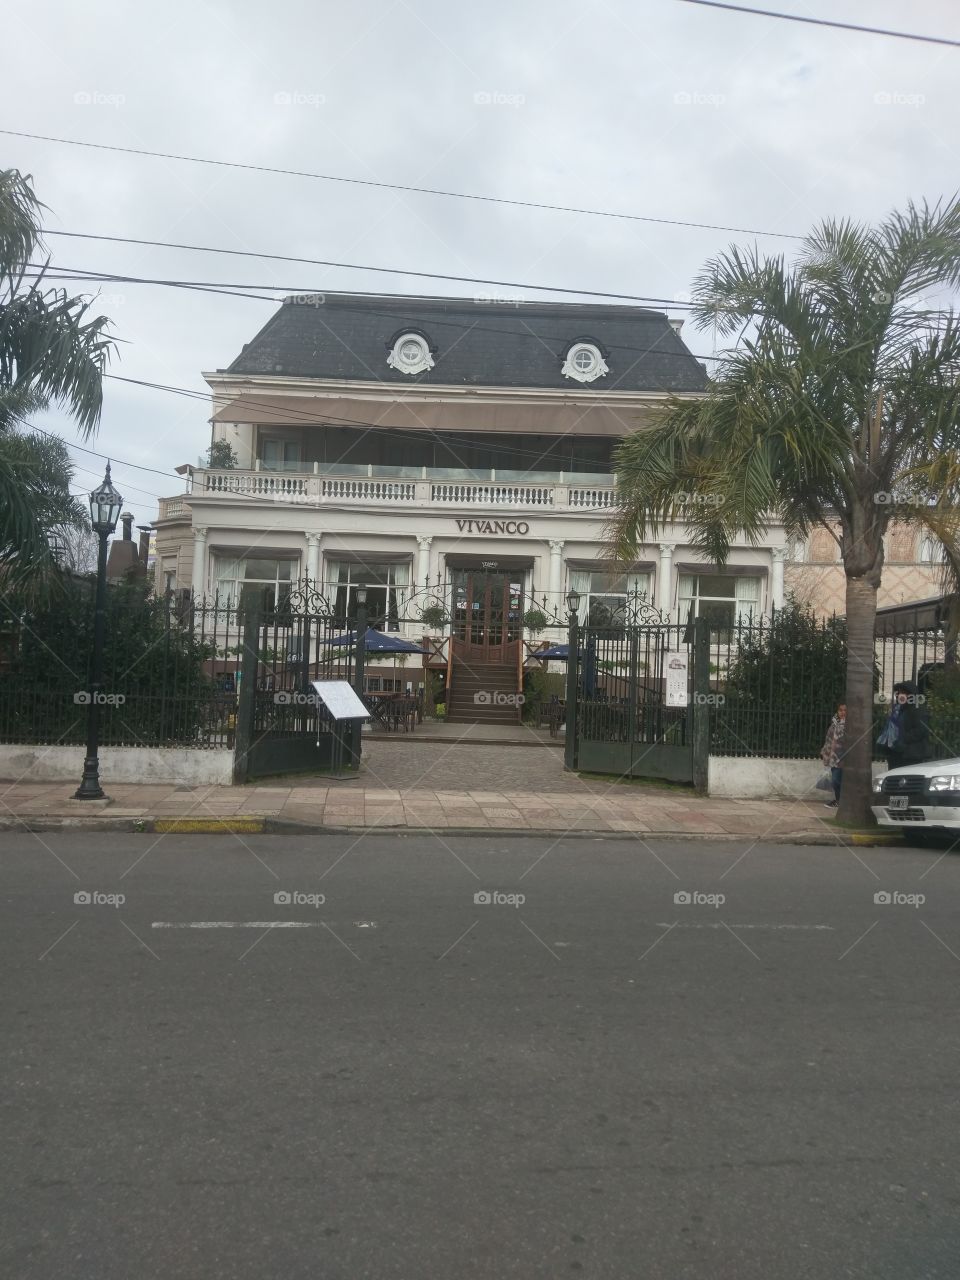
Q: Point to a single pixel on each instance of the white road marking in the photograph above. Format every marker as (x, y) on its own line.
(720, 925)
(236, 924)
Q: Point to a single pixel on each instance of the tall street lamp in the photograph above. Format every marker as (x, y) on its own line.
(361, 646)
(359, 659)
(573, 673)
(105, 507)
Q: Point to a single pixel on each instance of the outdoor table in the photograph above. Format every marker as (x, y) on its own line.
(379, 705)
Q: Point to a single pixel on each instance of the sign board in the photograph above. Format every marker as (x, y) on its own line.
(510, 527)
(340, 700)
(677, 667)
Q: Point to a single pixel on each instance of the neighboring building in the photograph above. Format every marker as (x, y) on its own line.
(912, 570)
(395, 441)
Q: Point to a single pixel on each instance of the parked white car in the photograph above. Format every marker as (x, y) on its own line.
(919, 797)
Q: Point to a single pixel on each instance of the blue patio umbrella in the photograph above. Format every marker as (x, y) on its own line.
(556, 652)
(588, 656)
(376, 642)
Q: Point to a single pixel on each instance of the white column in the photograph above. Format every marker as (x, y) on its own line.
(313, 557)
(776, 581)
(555, 580)
(423, 561)
(665, 577)
(198, 578)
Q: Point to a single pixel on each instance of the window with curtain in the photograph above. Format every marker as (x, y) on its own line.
(931, 551)
(388, 586)
(604, 595)
(278, 454)
(723, 599)
(273, 578)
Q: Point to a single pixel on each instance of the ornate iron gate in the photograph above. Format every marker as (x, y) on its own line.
(636, 699)
(282, 727)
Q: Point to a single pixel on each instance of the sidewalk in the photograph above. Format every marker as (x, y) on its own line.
(321, 805)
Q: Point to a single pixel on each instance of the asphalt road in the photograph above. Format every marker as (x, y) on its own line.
(596, 1082)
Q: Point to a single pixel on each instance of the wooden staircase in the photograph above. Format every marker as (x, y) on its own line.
(479, 693)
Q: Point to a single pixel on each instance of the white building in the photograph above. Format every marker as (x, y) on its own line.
(398, 441)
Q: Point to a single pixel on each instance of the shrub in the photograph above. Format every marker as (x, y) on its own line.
(784, 680)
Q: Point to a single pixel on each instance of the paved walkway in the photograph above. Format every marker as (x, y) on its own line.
(433, 785)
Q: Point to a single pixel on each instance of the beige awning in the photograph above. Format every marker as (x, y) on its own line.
(419, 415)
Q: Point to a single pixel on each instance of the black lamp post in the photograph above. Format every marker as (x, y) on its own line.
(105, 507)
(573, 673)
(361, 648)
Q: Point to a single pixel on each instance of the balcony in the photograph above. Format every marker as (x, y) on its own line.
(410, 487)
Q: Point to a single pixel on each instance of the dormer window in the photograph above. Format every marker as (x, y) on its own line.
(410, 354)
(584, 363)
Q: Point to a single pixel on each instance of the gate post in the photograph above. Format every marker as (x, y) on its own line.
(571, 755)
(247, 697)
(701, 704)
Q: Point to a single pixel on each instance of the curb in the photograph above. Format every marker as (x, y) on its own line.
(286, 827)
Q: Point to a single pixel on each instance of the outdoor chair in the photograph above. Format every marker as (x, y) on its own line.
(403, 714)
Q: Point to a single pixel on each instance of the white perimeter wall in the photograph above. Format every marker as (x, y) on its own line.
(179, 765)
(751, 778)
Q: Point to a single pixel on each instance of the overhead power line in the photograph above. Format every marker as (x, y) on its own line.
(85, 274)
(295, 417)
(350, 266)
(107, 457)
(826, 22)
(396, 186)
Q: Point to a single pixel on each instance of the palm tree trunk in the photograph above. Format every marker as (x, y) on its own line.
(857, 789)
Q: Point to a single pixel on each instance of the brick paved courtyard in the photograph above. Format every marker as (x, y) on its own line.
(404, 764)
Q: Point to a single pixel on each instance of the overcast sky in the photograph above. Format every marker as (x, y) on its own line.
(651, 107)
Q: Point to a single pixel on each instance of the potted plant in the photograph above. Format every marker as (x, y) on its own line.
(434, 615)
(535, 620)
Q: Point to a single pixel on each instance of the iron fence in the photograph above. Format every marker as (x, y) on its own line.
(170, 672)
(775, 684)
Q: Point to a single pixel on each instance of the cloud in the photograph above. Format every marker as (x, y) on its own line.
(668, 110)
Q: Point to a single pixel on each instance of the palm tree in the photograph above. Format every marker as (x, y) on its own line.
(51, 352)
(838, 405)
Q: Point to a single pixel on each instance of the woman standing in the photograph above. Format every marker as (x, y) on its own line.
(832, 752)
(906, 735)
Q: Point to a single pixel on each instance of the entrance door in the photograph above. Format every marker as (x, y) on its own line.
(487, 613)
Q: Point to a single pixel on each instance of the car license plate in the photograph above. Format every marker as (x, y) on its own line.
(899, 802)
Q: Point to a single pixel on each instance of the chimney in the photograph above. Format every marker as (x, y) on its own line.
(144, 549)
(123, 561)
